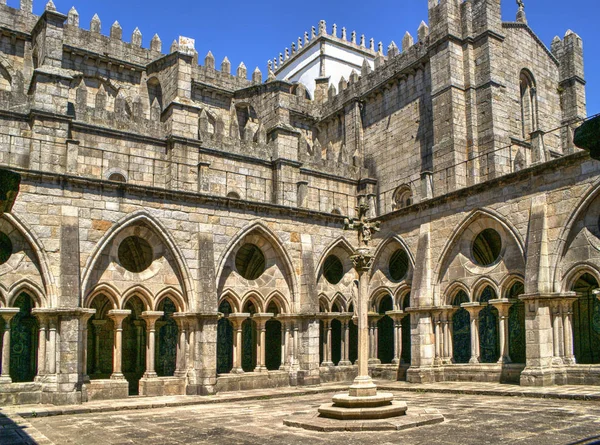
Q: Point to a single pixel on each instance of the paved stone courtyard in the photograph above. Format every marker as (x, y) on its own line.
(470, 419)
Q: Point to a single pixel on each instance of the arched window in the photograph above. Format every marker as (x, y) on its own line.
(461, 330)
(233, 195)
(528, 103)
(403, 197)
(224, 340)
(168, 335)
(117, 177)
(489, 346)
(586, 321)
(406, 340)
(385, 328)
(155, 92)
(273, 340)
(23, 341)
(516, 324)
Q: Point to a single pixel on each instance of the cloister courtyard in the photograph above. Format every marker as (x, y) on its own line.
(256, 417)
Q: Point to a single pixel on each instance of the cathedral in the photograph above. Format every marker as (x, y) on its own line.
(180, 227)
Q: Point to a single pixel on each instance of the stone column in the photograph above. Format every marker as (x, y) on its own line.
(345, 320)
(557, 337)
(286, 340)
(237, 319)
(139, 330)
(261, 331)
(437, 332)
(397, 317)
(373, 338)
(447, 335)
(326, 341)
(98, 327)
(7, 315)
(151, 317)
(117, 316)
(474, 309)
(567, 322)
(503, 305)
(181, 367)
(84, 343)
(42, 340)
(52, 344)
(294, 357)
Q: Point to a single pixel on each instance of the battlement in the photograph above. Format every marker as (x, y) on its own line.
(299, 47)
(398, 64)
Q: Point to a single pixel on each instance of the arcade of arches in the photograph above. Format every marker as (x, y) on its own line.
(140, 337)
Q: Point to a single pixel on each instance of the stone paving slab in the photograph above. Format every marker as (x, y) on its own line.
(470, 420)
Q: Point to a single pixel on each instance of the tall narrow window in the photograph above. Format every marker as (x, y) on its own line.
(528, 104)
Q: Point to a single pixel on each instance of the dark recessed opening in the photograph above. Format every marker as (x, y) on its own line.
(135, 254)
(333, 270)
(487, 247)
(250, 262)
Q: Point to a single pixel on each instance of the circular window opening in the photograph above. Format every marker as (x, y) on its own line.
(135, 254)
(250, 262)
(399, 265)
(333, 269)
(6, 248)
(487, 247)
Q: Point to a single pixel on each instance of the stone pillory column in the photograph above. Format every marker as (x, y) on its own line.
(362, 396)
(363, 402)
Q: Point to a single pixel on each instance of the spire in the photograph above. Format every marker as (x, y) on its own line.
(136, 38)
(392, 50)
(73, 17)
(407, 41)
(174, 47)
(423, 31)
(226, 66)
(242, 72)
(116, 32)
(156, 44)
(209, 61)
(366, 68)
(96, 24)
(50, 6)
(257, 76)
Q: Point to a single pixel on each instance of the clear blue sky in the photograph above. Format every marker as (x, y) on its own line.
(255, 31)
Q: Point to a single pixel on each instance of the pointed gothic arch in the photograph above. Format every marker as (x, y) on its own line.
(562, 244)
(29, 287)
(106, 289)
(340, 242)
(49, 298)
(141, 217)
(279, 300)
(260, 229)
(229, 296)
(464, 225)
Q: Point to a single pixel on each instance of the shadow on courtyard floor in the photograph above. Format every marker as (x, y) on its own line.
(595, 440)
(12, 433)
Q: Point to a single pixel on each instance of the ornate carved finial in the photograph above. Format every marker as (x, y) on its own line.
(362, 225)
(521, 17)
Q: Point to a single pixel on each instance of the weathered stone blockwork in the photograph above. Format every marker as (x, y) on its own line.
(178, 225)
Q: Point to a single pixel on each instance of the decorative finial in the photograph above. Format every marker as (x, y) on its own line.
(73, 17)
(50, 6)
